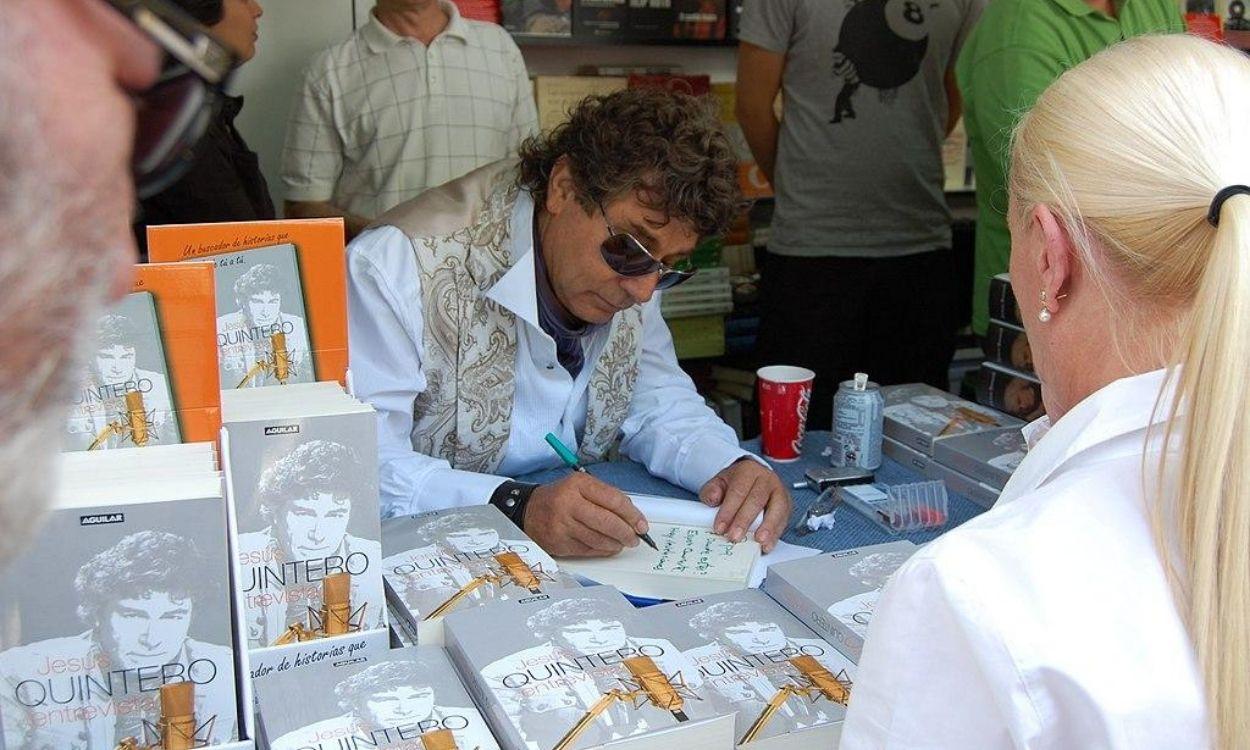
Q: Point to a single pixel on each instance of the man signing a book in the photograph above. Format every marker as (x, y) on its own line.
(520, 300)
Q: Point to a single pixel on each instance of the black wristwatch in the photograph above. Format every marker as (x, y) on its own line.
(511, 498)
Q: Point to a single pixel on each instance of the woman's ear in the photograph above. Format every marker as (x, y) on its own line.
(1056, 259)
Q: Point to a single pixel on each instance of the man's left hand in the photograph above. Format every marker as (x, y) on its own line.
(741, 490)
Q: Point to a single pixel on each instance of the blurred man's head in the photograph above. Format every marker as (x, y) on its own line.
(115, 349)
(138, 597)
(67, 69)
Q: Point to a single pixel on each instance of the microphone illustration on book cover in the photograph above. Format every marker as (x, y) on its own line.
(648, 686)
(178, 728)
(813, 682)
(509, 570)
(125, 400)
(263, 340)
(335, 617)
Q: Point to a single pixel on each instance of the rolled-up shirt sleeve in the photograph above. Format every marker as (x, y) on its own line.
(385, 325)
(670, 429)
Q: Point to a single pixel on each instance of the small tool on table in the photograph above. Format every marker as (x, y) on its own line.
(571, 461)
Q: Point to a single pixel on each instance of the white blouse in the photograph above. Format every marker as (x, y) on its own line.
(1046, 622)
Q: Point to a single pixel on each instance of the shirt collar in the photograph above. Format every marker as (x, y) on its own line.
(380, 38)
(517, 289)
(1080, 8)
(1117, 409)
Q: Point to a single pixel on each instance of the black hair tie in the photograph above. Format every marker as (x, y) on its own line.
(1217, 203)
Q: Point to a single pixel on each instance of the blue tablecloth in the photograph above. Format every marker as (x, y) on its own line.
(850, 529)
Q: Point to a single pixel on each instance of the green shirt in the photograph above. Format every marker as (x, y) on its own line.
(1016, 51)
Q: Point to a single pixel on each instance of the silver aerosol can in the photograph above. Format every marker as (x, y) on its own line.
(858, 418)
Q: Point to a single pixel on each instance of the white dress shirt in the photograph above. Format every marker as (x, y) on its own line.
(1046, 622)
(669, 428)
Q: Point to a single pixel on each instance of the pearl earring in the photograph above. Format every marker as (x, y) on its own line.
(1044, 314)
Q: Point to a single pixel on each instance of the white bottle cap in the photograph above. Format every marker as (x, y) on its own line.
(861, 381)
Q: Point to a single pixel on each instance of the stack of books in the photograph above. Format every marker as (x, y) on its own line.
(835, 594)
(116, 617)
(580, 669)
(301, 463)
(447, 561)
(788, 687)
(1007, 380)
(985, 445)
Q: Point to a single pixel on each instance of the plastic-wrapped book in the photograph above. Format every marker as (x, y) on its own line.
(301, 464)
(835, 594)
(117, 614)
(580, 669)
(918, 415)
(448, 560)
(788, 686)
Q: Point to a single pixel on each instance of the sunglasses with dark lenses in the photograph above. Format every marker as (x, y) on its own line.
(173, 114)
(625, 255)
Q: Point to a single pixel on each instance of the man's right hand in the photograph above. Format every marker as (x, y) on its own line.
(580, 516)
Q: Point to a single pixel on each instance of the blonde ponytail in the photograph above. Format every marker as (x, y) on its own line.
(1129, 149)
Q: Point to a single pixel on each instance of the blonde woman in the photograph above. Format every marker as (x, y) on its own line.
(1104, 602)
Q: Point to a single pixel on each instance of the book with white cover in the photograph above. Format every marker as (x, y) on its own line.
(122, 590)
(446, 560)
(835, 594)
(579, 669)
(989, 457)
(916, 415)
(127, 358)
(691, 559)
(259, 294)
(747, 651)
(303, 481)
(389, 699)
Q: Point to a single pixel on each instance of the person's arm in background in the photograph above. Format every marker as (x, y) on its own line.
(759, 81)
(954, 99)
(766, 31)
(524, 112)
(312, 157)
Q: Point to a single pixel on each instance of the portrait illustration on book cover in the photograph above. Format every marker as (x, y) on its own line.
(125, 399)
(263, 339)
(306, 502)
(148, 609)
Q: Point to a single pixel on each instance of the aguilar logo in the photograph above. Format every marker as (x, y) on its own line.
(99, 519)
(282, 429)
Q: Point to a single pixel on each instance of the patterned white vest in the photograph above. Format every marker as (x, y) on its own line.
(460, 235)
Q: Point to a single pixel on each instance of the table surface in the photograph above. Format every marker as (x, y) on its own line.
(850, 529)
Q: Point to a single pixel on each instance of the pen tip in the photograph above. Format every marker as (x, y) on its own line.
(647, 538)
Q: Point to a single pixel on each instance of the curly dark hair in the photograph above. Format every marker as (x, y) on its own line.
(315, 466)
(414, 672)
(115, 330)
(137, 566)
(262, 277)
(668, 148)
(719, 617)
(551, 620)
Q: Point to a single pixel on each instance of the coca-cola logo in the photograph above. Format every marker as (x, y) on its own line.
(805, 398)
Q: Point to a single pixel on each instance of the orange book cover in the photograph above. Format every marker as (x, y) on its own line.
(151, 374)
(281, 296)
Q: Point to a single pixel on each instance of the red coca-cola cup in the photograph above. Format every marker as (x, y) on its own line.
(785, 393)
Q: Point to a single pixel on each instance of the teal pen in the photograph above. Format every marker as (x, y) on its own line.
(571, 461)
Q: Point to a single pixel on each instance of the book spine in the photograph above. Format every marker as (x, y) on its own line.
(908, 435)
(813, 616)
(1010, 391)
(969, 465)
(979, 493)
(1003, 304)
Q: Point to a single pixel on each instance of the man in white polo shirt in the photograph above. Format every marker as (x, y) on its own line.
(417, 97)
